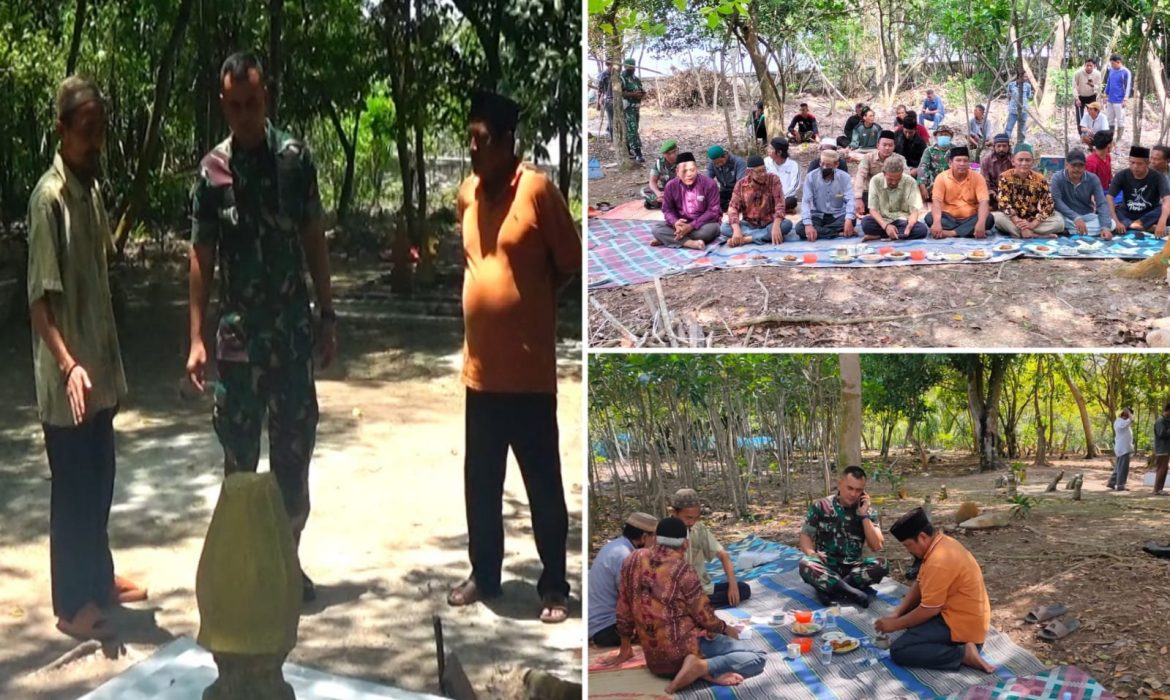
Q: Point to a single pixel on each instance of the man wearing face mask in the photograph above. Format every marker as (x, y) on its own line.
(632, 95)
(871, 165)
(827, 209)
(77, 364)
(725, 169)
(934, 160)
(690, 208)
(995, 164)
(910, 145)
(756, 211)
(1025, 201)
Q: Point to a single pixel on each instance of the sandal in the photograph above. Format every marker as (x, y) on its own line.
(126, 591)
(555, 609)
(1042, 613)
(1058, 630)
(88, 623)
(1157, 550)
(466, 593)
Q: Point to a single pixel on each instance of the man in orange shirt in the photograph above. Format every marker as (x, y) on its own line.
(959, 204)
(520, 248)
(946, 614)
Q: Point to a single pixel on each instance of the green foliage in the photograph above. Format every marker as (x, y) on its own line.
(892, 477)
(1020, 470)
(1022, 506)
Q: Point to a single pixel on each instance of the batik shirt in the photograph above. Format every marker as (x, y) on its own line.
(934, 161)
(660, 600)
(836, 530)
(252, 207)
(758, 204)
(1027, 197)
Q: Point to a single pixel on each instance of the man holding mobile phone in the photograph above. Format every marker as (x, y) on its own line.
(833, 538)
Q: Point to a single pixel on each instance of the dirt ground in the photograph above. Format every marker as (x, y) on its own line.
(1019, 303)
(385, 540)
(1085, 554)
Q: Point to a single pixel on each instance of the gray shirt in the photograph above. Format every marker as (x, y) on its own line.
(833, 197)
(604, 577)
(980, 130)
(734, 170)
(1075, 200)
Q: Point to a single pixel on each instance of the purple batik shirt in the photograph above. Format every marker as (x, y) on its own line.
(697, 204)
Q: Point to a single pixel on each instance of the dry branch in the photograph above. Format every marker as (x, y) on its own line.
(838, 321)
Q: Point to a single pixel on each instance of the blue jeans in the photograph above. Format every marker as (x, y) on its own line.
(935, 119)
(727, 655)
(1011, 124)
(1092, 225)
(760, 235)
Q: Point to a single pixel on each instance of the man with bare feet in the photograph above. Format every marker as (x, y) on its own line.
(661, 600)
(690, 208)
(1026, 209)
(947, 613)
(959, 201)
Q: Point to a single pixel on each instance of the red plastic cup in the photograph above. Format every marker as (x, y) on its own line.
(918, 255)
(804, 616)
(806, 644)
(809, 259)
(885, 250)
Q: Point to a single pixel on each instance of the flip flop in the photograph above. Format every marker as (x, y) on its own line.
(1041, 613)
(1059, 629)
(88, 623)
(466, 593)
(555, 610)
(1157, 550)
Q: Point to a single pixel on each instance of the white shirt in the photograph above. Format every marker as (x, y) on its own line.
(1122, 436)
(789, 175)
(1101, 123)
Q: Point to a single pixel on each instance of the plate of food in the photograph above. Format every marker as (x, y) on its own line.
(806, 628)
(841, 642)
(1044, 249)
(1087, 246)
(841, 259)
(1068, 251)
(978, 254)
(1007, 247)
(871, 258)
(954, 257)
(897, 255)
(790, 259)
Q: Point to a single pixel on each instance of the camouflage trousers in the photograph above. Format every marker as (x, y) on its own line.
(633, 114)
(286, 393)
(823, 575)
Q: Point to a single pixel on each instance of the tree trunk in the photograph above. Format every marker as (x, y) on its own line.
(614, 50)
(849, 449)
(75, 42)
(401, 59)
(1055, 62)
(275, 57)
(1041, 434)
(1086, 423)
(745, 32)
(162, 91)
(349, 146)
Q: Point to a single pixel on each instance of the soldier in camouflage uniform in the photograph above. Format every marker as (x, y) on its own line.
(834, 534)
(632, 94)
(660, 173)
(257, 210)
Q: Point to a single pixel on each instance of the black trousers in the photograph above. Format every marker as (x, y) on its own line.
(81, 460)
(963, 228)
(527, 423)
(928, 645)
(607, 637)
(719, 599)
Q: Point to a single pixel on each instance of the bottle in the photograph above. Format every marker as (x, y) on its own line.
(826, 653)
(1066, 695)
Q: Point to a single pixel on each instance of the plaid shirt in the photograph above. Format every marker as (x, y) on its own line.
(1026, 197)
(759, 204)
(660, 597)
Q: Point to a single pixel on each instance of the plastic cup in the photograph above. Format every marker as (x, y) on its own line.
(806, 644)
(918, 255)
(803, 616)
(886, 250)
(809, 259)
(793, 651)
(745, 632)
(778, 618)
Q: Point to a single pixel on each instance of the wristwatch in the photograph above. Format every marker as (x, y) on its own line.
(329, 315)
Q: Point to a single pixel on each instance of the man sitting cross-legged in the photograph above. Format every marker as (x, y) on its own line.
(725, 169)
(1080, 199)
(946, 613)
(690, 208)
(661, 601)
(959, 200)
(870, 165)
(756, 213)
(895, 204)
(910, 145)
(661, 173)
(996, 163)
(827, 207)
(1026, 209)
(703, 549)
(787, 169)
(835, 531)
(605, 576)
(803, 127)
(1145, 196)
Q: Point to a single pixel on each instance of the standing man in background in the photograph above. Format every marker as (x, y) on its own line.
(1122, 449)
(520, 248)
(256, 211)
(632, 95)
(1118, 89)
(1161, 450)
(1088, 85)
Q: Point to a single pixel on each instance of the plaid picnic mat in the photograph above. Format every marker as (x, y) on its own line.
(1049, 685)
(867, 673)
(620, 253)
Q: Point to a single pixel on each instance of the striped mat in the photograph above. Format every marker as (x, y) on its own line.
(620, 253)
